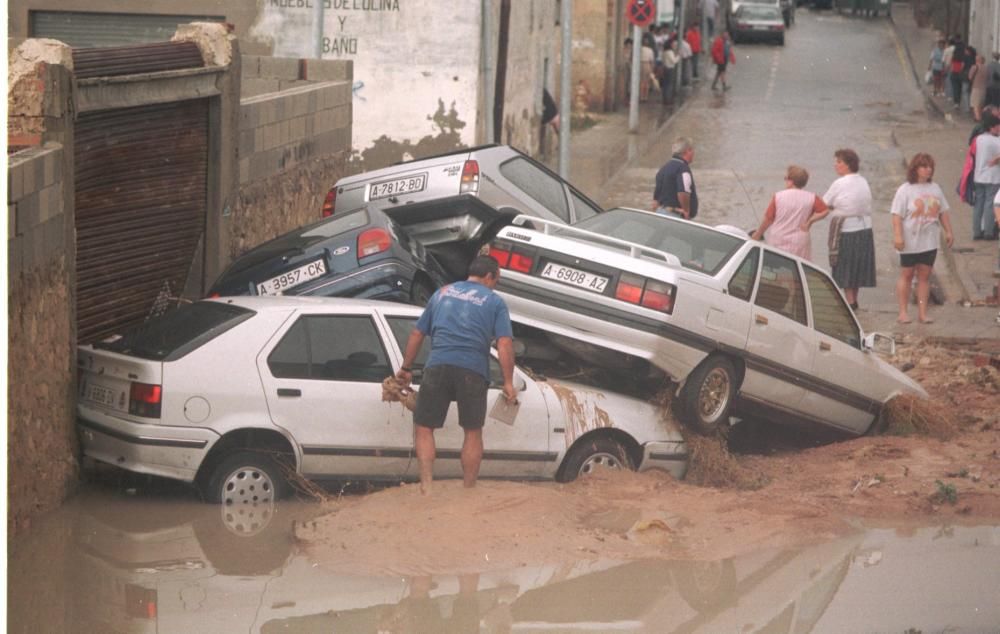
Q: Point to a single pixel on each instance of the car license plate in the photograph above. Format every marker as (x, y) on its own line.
(288, 280)
(759, 27)
(102, 395)
(575, 277)
(398, 186)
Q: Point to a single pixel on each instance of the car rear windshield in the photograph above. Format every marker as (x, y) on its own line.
(760, 12)
(178, 332)
(697, 247)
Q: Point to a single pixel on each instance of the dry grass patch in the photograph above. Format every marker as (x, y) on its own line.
(909, 414)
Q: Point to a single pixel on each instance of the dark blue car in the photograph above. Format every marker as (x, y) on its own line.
(357, 254)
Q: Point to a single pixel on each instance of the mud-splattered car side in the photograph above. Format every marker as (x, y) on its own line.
(228, 394)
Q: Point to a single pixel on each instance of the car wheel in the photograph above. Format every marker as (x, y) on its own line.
(593, 453)
(420, 293)
(781, 41)
(708, 395)
(246, 477)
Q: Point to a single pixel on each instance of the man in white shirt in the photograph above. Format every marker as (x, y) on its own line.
(986, 179)
(685, 52)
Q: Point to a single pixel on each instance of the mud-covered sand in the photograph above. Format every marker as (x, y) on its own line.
(802, 496)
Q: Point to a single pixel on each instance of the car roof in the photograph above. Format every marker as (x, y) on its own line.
(259, 303)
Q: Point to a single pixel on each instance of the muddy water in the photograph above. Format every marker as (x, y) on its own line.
(163, 562)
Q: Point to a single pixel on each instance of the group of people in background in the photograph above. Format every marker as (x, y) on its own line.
(669, 56)
(963, 75)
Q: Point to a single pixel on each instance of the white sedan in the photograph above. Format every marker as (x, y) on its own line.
(226, 393)
(740, 327)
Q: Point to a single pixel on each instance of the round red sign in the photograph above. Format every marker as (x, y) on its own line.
(641, 13)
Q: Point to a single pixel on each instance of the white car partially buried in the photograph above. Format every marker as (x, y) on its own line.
(226, 393)
(741, 328)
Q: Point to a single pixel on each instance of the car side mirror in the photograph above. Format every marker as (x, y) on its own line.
(882, 344)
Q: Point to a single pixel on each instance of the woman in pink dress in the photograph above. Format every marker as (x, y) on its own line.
(790, 214)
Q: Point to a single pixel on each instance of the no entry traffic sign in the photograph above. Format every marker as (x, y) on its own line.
(640, 12)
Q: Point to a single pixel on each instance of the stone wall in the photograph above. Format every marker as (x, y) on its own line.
(293, 146)
(41, 363)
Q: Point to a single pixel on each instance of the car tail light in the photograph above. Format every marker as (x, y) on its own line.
(659, 296)
(778, 27)
(470, 178)
(330, 202)
(501, 255)
(508, 256)
(373, 241)
(144, 400)
(213, 295)
(521, 262)
(629, 289)
(140, 603)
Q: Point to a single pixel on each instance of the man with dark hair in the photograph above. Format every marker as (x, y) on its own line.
(461, 320)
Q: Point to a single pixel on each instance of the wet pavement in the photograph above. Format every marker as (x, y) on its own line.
(163, 562)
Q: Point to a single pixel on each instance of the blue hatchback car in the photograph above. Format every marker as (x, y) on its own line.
(357, 254)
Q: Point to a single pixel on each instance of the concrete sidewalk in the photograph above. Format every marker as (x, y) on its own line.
(971, 264)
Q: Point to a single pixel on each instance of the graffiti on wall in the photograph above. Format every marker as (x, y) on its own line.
(409, 56)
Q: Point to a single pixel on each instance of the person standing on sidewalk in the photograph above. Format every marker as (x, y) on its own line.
(936, 65)
(693, 38)
(851, 242)
(987, 178)
(919, 211)
(957, 75)
(723, 55)
(461, 320)
(996, 271)
(949, 51)
(675, 193)
(710, 9)
(977, 83)
(670, 63)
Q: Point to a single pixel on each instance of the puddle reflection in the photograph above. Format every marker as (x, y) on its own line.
(107, 563)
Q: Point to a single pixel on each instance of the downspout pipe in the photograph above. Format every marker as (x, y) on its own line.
(488, 62)
(566, 88)
(318, 28)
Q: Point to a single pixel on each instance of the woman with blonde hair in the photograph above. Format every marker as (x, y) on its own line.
(790, 214)
(919, 211)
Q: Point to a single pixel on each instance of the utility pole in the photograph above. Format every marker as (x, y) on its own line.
(566, 88)
(633, 104)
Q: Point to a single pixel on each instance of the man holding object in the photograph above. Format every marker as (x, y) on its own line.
(461, 320)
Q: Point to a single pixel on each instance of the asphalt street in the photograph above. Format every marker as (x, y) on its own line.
(838, 82)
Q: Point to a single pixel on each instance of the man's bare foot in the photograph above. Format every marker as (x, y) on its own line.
(425, 487)
(904, 319)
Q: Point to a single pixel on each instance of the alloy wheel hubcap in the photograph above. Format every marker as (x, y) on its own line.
(714, 394)
(247, 485)
(606, 460)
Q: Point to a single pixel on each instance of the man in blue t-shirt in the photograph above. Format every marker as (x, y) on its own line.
(461, 320)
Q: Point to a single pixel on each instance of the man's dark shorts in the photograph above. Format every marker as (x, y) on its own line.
(909, 260)
(442, 384)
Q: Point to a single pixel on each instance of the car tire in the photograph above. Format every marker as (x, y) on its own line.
(590, 453)
(781, 41)
(246, 477)
(708, 394)
(420, 292)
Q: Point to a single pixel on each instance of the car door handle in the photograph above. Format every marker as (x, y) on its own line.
(760, 319)
(288, 391)
(824, 346)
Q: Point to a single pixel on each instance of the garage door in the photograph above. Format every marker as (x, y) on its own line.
(141, 192)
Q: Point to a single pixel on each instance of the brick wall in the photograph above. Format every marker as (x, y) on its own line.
(41, 439)
(292, 147)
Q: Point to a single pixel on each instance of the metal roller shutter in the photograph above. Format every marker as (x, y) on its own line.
(141, 197)
(86, 30)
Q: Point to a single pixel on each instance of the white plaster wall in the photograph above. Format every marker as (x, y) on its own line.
(984, 27)
(409, 57)
(534, 37)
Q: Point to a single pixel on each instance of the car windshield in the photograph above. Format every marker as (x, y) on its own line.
(697, 247)
(178, 332)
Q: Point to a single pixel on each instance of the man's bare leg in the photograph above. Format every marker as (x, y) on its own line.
(423, 442)
(472, 456)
